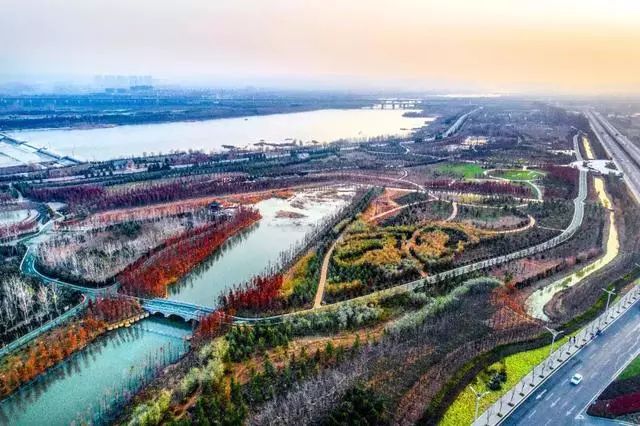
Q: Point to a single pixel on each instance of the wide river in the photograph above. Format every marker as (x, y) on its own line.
(261, 246)
(210, 135)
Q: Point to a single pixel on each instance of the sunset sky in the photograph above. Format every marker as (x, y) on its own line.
(560, 46)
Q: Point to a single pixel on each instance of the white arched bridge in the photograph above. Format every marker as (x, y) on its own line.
(184, 310)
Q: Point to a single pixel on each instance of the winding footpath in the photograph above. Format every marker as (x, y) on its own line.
(454, 212)
(324, 271)
(530, 182)
(397, 209)
(576, 222)
(566, 234)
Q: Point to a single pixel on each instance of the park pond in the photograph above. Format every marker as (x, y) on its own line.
(284, 223)
(88, 386)
(210, 135)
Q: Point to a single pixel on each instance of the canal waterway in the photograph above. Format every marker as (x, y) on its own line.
(261, 246)
(87, 387)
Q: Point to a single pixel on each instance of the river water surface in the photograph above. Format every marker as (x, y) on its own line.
(255, 249)
(83, 387)
(210, 135)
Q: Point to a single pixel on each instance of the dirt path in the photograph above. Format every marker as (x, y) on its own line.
(531, 224)
(317, 301)
(454, 213)
(396, 209)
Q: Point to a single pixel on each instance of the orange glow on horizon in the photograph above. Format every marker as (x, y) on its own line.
(588, 46)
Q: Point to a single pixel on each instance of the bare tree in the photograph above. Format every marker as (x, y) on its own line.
(24, 298)
(43, 300)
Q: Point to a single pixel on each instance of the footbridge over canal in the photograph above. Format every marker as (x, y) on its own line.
(166, 307)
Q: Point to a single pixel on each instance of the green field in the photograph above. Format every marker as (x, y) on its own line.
(517, 174)
(464, 170)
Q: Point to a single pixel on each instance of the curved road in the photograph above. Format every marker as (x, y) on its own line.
(27, 266)
(576, 222)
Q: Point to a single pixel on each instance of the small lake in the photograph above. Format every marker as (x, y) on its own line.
(210, 135)
(83, 387)
(255, 249)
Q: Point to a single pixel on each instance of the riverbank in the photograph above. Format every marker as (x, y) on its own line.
(272, 242)
(150, 275)
(54, 347)
(536, 302)
(307, 127)
(93, 384)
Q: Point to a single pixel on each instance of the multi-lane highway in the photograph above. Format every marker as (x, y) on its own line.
(458, 123)
(625, 154)
(558, 402)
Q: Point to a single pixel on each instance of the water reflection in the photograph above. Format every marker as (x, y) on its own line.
(91, 384)
(201, 269)
(259, 247)
(95, 382)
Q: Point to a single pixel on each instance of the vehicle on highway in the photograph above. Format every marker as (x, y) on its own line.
(576, 379)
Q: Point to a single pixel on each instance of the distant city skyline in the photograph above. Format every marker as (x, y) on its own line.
(562, 46)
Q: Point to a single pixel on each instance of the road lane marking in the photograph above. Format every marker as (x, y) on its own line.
(553, 404)
(531, 415)
(616, 374)
(549, 396)
(541, 394)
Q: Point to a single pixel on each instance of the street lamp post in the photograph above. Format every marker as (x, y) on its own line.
(478, 398)
(554, 334)
(609, 294)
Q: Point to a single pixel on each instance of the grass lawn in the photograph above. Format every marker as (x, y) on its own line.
(517, 366)
(632, 370)
(518, 174)
(464, 170)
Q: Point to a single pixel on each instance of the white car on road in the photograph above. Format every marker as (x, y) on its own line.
(576, 379)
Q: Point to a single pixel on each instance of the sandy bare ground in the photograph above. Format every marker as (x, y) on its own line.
(529, 225)
(587, 149)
